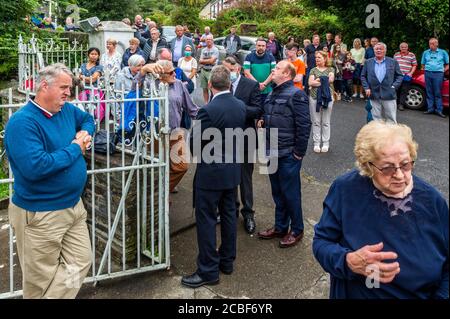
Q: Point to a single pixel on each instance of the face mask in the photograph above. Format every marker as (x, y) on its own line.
(233, 76)
(187, 53)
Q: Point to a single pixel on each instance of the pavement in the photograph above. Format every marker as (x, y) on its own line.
(262, 269)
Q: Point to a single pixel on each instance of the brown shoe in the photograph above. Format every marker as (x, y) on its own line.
(290, 240)
(271, 233)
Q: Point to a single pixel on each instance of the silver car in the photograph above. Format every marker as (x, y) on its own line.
(168, 32)
(248, 44)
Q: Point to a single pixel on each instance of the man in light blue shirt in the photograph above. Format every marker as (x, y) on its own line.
(435, 64)
(380, 69)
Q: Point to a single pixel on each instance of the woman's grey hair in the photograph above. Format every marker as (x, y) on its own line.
(220, 78)
(50, 73)
(135, 60)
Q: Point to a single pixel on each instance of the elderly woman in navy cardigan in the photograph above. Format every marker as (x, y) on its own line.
(384, 231)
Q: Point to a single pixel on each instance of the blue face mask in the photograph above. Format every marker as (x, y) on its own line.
(233, 76)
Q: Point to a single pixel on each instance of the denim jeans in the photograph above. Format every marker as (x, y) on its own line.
(433, 81)
(286, 193)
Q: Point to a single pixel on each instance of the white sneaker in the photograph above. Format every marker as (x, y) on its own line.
(325, 148)
(317, 149)
(355, 95)
(361, 96)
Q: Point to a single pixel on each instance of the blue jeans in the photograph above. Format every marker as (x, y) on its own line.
(433, 81)
(286, 193)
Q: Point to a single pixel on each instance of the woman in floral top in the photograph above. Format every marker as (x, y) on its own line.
(111, 59)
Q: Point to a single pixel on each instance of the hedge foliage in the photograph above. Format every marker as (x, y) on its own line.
(413, 21)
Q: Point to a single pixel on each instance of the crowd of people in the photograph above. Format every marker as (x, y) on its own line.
(378, 215)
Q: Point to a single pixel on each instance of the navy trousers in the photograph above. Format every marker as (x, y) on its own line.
(433, 81)
(286, 193)
(207, 203)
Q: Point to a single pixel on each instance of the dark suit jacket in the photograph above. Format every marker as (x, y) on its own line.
(248, 92)
(385, 90)
(224, 111)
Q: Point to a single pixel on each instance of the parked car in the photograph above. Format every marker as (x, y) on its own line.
(415, 97)
(248, 45)
(168, 32)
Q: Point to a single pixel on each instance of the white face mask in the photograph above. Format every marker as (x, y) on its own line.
(233, 76)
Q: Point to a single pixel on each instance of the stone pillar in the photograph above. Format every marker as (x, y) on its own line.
(111, 29)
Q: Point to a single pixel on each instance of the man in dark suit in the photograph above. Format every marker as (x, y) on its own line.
(381, 78)
(248, 92)
(216, 180)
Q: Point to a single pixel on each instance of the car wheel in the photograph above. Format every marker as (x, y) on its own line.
(414, 98)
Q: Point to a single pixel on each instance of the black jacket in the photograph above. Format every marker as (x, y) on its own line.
(248, 92)
(224, 111)
(287, 109)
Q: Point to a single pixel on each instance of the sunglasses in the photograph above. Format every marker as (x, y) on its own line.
(169, 73)
(391, 170)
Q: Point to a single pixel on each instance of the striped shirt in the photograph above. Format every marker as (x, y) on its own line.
(406, 62)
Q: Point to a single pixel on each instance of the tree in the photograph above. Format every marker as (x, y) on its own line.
(412, 21)
(109, 9)
(17, 10)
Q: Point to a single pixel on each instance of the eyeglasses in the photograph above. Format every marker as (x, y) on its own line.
(391, 170)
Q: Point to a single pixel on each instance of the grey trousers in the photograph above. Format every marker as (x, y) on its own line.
(320, 122)
(389, 107)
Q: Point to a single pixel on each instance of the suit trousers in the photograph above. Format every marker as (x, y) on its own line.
(389, 107)
(54, 250)
(246, 191)
(209, 258)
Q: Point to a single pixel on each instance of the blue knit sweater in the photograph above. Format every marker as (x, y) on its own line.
(49, 170)
(416, 228)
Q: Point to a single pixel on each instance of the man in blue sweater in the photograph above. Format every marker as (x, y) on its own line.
(45, 141)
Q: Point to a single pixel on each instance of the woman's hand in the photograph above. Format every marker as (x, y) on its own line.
(368, 261)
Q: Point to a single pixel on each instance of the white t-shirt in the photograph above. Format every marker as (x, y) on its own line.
(187, 66)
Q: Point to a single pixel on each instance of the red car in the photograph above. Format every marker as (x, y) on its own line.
(415, 97)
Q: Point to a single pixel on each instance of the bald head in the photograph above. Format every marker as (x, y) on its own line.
(165, 54)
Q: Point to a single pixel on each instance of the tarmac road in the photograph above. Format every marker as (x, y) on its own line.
(262, 270)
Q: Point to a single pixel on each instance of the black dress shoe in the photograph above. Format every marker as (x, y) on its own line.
(249, 224)
(225, 270)
(441, 115)
(428, 112)
(195, 281)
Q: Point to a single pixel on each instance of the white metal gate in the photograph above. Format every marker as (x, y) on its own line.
(128, 203)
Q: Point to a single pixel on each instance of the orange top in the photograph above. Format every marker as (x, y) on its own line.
(301, 69)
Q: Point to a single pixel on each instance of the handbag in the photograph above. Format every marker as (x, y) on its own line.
(100, 142)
